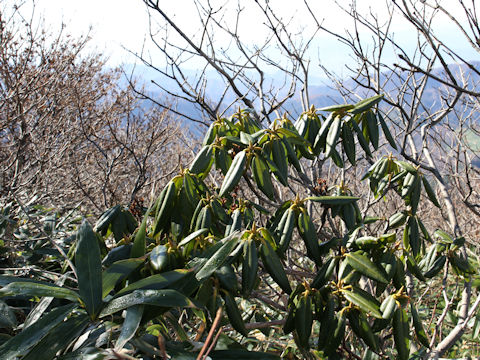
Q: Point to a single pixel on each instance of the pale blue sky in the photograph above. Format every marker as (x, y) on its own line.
(124, 23)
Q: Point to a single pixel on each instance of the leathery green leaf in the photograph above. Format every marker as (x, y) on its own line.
(430, 192)
(333, 200)
(332, 108)
(436, 266)
(337, 159)
(285, 230)
(156, 282)
(162, 298)
(325, 272)
(360, 326)
(274, 266)
(413, 268)
(417, 323)
(138, 248)
(406, 166)
(304, 320)
(414, 236)
(289, 325)
(388, 307)
(292, 156)
(89, 269)
(348, 142)
(335, 337)
(222, 160)
(203, 161)
(190, 190)
(40, 290)
(386, 131)
(361, 139)
(234, 173)
(414, 197)
(192, 236)
(321, 138)
(332, 136)
(18, 345)
(106, 219)
(250, 266)
(443, 236)
(262, 176)
(327, 323)
(59, 338)
(400, 333)
(279, 155)
(164, 206)
(6, 279)
(366, 104)
(235, 224)
(364, 265)
(210, 134)
(130, 325)
(364, 302)
(118, 271)
(7, 316)
(372, 128)
(217, 259)
(234, 314)
(307, 231)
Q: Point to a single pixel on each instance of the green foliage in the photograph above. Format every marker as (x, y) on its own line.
(200, 248)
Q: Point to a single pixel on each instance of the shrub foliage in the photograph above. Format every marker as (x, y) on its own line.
(208, 270)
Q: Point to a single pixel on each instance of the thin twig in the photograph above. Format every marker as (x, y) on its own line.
(215, 324)
(259, 325)
(60, 250)
(212, 345)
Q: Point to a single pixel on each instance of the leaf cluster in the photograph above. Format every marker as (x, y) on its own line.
(206, 256)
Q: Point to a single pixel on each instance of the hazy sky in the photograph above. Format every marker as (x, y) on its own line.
(124, 23)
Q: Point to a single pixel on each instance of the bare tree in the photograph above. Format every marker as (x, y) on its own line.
(245, 70)
(70, 131)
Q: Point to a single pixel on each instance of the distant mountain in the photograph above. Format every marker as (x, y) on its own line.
(321, 93)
